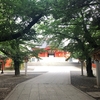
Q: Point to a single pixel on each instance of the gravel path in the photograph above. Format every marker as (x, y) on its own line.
(8, 82)
(84, 83)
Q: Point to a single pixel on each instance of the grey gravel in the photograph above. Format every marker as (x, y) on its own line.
(8, 82)
(84, 83)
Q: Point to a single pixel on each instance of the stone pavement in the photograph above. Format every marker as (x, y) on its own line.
(48, 86)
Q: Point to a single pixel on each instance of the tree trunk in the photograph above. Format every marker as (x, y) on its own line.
(89, 67)
(82, 65)
(17, 67)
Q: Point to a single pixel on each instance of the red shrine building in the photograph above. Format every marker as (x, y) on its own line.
(53, 52)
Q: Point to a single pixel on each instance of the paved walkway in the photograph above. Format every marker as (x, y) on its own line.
(48, 86)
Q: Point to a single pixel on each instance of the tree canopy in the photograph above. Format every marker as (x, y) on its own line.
(18, 16)
(78, 21)
(56, 20)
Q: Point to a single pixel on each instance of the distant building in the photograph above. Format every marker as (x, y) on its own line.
(53, 52)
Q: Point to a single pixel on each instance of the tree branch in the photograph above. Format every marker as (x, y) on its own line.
(87, 35)
(21, 33)
(83, 4)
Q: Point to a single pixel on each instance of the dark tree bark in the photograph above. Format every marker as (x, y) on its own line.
(17, 67)
(21, 33)
(89, 67)
(82, 65)
(87, 35)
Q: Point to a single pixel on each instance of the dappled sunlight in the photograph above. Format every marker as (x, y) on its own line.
(52, 68)
(52, 59)
(52, 64)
